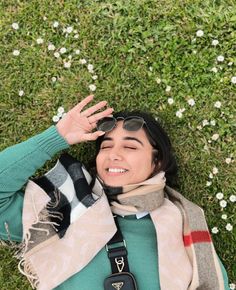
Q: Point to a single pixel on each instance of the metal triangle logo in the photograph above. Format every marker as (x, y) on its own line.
(117, 285)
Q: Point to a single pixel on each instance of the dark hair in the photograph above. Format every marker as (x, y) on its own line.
(163, 157)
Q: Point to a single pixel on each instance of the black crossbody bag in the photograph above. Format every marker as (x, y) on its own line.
(121, 278)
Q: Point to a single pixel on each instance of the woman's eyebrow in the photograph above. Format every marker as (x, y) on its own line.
(133, 139)
(125, 138)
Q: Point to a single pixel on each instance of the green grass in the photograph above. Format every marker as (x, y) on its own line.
(131, 44)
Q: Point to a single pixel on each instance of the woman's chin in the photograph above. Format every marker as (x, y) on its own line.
(114, 180)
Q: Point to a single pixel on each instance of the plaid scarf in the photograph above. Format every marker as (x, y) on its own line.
(58, 223)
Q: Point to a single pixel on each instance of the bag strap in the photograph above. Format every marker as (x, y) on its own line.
(117, 251)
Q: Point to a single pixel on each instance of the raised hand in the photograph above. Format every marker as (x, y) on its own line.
(77, 125)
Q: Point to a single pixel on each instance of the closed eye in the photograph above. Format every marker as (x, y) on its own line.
(105, 147)
(130, 147)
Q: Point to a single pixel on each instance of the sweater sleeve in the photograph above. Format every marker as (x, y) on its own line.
(17, 164)
(225, 276)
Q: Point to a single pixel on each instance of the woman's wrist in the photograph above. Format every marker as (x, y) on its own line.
(51, 141)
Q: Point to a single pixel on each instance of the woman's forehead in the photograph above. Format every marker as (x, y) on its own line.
(119, 133)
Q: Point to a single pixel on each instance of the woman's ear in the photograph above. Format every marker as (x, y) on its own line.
(155, 162)
(154, 156)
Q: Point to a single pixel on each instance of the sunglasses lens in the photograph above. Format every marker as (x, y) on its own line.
(106, 124)
(133, 124)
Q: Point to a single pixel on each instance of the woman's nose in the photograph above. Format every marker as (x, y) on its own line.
(115, 154)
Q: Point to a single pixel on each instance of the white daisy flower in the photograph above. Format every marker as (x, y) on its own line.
(179, 114)
(67, 64)
(56, 54)
(214, 69)
(16, 52)
(62, 50)
(228, 160)
(55, 24)
(215, 170)
(21, 93)
(83, 61)
(191, 102)
(59, 114)
(158, 80)
(219, 195)
(210, 175)
(232, 198)
(51, 47)
(76, 36)
(15, 26)
(77, 51)
(208, 183)
(217, 104)
(151, 68)
(205, 122)
(90, 67)
(233, 80)
(92, 88)
(170, 101)
(55, 119)
(224, 216)
(39, 40)
(215, 42)
(199, 33)
(168, 88)
(213, 122)
(230, 63)
(232, 286)
(69, 29)
(60, 110)
(229, 227)
(54, 79)
(199, 127)
(220, 58)
(223, 203)
(214, 230)
(94, 77)
(214, 137)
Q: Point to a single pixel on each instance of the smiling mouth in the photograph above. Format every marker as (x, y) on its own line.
(116, 170)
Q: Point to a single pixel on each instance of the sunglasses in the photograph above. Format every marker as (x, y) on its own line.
(132, 123)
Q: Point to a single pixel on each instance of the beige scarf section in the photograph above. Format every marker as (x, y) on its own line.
(50, 262)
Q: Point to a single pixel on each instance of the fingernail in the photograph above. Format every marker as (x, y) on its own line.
(101, 133)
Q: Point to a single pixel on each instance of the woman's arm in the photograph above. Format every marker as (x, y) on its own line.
(17, 164)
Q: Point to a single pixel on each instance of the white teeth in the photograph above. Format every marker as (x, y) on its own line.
(116, 170)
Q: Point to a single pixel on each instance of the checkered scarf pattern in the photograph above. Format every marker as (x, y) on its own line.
(59, 230)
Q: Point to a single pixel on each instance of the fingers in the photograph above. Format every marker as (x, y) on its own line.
(100, 115)
(79, 107)
(94, 108)
(93, 136)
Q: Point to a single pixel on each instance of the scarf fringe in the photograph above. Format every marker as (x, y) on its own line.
(42, 218)
(27, 270)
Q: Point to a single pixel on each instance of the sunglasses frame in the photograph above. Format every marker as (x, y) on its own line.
(153, 143)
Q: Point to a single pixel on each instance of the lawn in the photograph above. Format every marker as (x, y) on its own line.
(176, 59)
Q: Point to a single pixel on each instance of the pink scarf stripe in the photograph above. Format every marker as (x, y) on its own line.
(197, 237)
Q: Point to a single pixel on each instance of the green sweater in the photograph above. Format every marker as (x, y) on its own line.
(19, 162)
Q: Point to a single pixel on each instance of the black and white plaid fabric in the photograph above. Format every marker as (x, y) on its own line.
(73, 185)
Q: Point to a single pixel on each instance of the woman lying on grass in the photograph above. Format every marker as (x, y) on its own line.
(68, 220)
